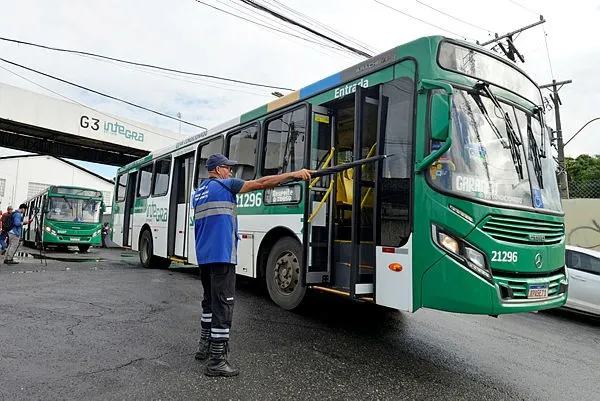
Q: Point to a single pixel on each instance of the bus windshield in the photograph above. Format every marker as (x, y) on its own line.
(494, 157)
(75, 210)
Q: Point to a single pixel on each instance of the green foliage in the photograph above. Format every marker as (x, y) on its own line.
(584, 176)
(584, 167)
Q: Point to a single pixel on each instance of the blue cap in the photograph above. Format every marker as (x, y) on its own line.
(217, 160)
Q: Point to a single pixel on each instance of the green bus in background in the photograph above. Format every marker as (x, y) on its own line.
(65, 216)
(463, 216)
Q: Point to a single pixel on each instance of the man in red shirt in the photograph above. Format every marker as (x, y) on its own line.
(4, 234)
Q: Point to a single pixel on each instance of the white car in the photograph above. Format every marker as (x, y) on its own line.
(584, 279)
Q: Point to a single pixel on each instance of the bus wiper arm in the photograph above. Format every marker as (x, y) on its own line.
(513, 138)
(536, 154)
(477, 98)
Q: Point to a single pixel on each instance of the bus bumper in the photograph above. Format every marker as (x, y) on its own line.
(449, 286)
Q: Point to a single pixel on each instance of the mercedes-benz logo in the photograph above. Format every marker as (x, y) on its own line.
(538, 260)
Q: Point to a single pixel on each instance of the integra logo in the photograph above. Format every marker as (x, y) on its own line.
(537, 237)
(350, 88)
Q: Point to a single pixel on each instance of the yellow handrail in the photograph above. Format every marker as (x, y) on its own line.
(325, 164)
(368, 192)
(312, 216)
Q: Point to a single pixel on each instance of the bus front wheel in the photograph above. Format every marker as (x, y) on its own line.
(284, 273)
(147, 258)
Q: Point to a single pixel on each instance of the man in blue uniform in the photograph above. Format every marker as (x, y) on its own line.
(216, 232)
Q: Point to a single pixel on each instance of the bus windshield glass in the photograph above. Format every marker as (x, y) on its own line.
(491, 157)
(63, 208)
(489, 69)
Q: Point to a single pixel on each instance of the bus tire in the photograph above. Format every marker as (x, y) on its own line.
(284, 273)
(147, 258)
(83, 248)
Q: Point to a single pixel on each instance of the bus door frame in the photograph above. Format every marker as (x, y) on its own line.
(132, 179)
(323, 276)
(174, 218)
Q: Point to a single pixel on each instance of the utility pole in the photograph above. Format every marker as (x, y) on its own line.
(563, 184)
(510, 50)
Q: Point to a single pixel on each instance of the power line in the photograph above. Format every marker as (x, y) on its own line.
(317, 23)
(84, 53)
(268, 27)
(453, 17)
(293, 22)
(81, 104)
(267, 19)
(101, 93)
(548, 51)
(523, 7)
(420, 20)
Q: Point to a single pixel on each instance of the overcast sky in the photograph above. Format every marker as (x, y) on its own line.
(191, 36)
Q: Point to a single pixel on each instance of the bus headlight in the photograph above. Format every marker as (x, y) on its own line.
(462, 251)
(50, 230)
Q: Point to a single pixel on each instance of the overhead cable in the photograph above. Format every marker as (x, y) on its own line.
(101, 93)
(317, 33)
(84, 53)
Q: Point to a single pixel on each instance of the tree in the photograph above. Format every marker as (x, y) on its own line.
(584, 176)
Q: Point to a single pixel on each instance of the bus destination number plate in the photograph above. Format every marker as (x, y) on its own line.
(538, 291)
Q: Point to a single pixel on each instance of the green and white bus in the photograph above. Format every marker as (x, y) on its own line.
(464, 216)
(64, 216)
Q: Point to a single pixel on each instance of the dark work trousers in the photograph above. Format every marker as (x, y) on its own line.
(218, 282)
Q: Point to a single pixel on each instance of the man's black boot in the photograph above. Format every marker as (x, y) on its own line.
(203, 349)
(217, 364)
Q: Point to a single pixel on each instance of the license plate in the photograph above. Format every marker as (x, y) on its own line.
(74, 239)
(538, 291)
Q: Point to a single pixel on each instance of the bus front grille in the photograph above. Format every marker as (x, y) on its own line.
(515, 286)
(524, 231)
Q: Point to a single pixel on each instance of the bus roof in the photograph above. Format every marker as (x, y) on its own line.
(363, 68)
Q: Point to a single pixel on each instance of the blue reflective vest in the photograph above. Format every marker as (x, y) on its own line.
(215, 223)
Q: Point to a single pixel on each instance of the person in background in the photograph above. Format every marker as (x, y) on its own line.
(4, 234)
(105, 231)
(14, 235)
(216, 234)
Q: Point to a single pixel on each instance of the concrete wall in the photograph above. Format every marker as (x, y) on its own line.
(19, 172)
(582, 222)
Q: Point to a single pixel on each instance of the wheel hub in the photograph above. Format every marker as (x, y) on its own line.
(286, 272)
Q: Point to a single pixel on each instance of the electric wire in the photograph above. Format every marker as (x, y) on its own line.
(266, 26)
(101, 93)
(453, 17)
(81, 104)
(315, 22)
(524, 8)
(421, 20)
(21, 42)
(548, 51)
(293, 22)
(253, 13)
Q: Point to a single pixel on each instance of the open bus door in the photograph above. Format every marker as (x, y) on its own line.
(179, 215)
(318, 230)
(364, 225)
(128, 209)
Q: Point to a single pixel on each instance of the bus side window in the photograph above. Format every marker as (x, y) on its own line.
(284, 142)
(205, 150)
(121, 187)
(241, 147)
(145, 181)
(160, 180)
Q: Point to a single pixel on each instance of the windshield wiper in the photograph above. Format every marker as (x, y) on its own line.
(542, 148)
(477, 98)
(513, 138)
(535, 153)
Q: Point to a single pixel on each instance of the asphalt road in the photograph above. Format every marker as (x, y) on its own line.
(98, 327)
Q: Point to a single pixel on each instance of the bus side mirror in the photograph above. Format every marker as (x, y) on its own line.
(45, 206)
(103, 207)
(440, 118)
